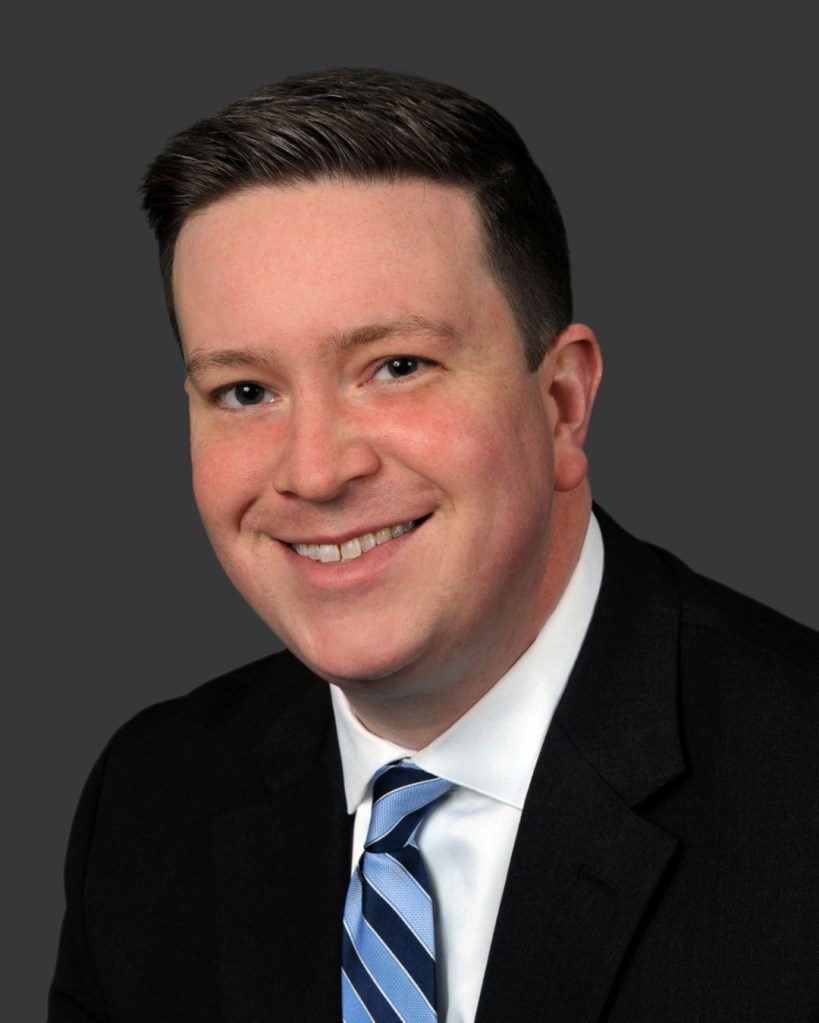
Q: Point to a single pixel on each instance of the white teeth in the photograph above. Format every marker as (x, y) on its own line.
(351, 549)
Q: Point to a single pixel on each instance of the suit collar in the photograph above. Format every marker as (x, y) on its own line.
(620, 706)
(586, 863)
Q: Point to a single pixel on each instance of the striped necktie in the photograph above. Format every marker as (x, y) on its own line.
(388, 955)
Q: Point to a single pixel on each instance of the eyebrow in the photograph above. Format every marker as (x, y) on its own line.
(405, 326)
(200, 361)
(340, 341)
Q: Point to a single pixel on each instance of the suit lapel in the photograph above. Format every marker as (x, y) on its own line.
(586, 863)
(282, 864)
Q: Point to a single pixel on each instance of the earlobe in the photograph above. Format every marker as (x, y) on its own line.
(574, 367)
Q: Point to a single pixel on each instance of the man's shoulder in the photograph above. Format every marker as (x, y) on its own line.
(745, 677)
(710, 614)
(718, 618)
(739, 676)
(196, 745)
(241, 699)
(728, 682)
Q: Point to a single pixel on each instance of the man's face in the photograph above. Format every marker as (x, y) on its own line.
(356, 374)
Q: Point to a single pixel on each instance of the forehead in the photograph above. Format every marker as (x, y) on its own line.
(405, 213)
(328, 248)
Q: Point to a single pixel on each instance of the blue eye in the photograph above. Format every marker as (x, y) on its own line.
(400, 366)
(244, 394)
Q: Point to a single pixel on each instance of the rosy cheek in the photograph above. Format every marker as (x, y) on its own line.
(424, 430)
(228, 472)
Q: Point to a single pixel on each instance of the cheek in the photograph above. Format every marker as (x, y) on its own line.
(228, 472)
(495, 447)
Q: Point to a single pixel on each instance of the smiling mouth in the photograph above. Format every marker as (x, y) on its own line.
(329, 553)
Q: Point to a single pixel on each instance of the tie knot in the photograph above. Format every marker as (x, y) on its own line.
(403, 794)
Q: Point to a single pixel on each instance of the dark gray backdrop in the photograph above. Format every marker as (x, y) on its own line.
(680, 146)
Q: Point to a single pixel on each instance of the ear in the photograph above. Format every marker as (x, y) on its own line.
(571, 374)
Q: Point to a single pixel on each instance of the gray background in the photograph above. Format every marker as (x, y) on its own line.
(680, 146)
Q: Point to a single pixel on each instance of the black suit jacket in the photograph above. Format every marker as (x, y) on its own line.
(664, 870)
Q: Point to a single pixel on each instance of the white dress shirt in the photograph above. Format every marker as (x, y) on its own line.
(490, 754)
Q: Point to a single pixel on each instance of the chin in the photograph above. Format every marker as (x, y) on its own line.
(349, 664)
(357, 672)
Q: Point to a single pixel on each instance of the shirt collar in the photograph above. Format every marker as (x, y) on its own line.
(508, 724)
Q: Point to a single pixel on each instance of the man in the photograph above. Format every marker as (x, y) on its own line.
(369, 281)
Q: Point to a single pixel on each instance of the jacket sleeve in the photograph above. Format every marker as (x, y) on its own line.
(75, 996)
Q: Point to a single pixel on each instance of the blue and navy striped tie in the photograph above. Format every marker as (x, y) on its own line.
(388, 956)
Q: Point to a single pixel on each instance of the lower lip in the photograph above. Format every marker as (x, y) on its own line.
(340, 575)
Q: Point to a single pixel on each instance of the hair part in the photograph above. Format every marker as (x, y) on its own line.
(368, 125)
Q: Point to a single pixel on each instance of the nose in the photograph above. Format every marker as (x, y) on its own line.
(323, 449)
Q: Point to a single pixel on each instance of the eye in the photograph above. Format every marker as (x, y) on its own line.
(242, 395)
(397, 367)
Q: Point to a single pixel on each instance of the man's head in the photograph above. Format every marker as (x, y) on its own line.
(368, 125)
(384, 475)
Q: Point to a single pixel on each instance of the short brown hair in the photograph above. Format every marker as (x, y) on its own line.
(369, 125)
